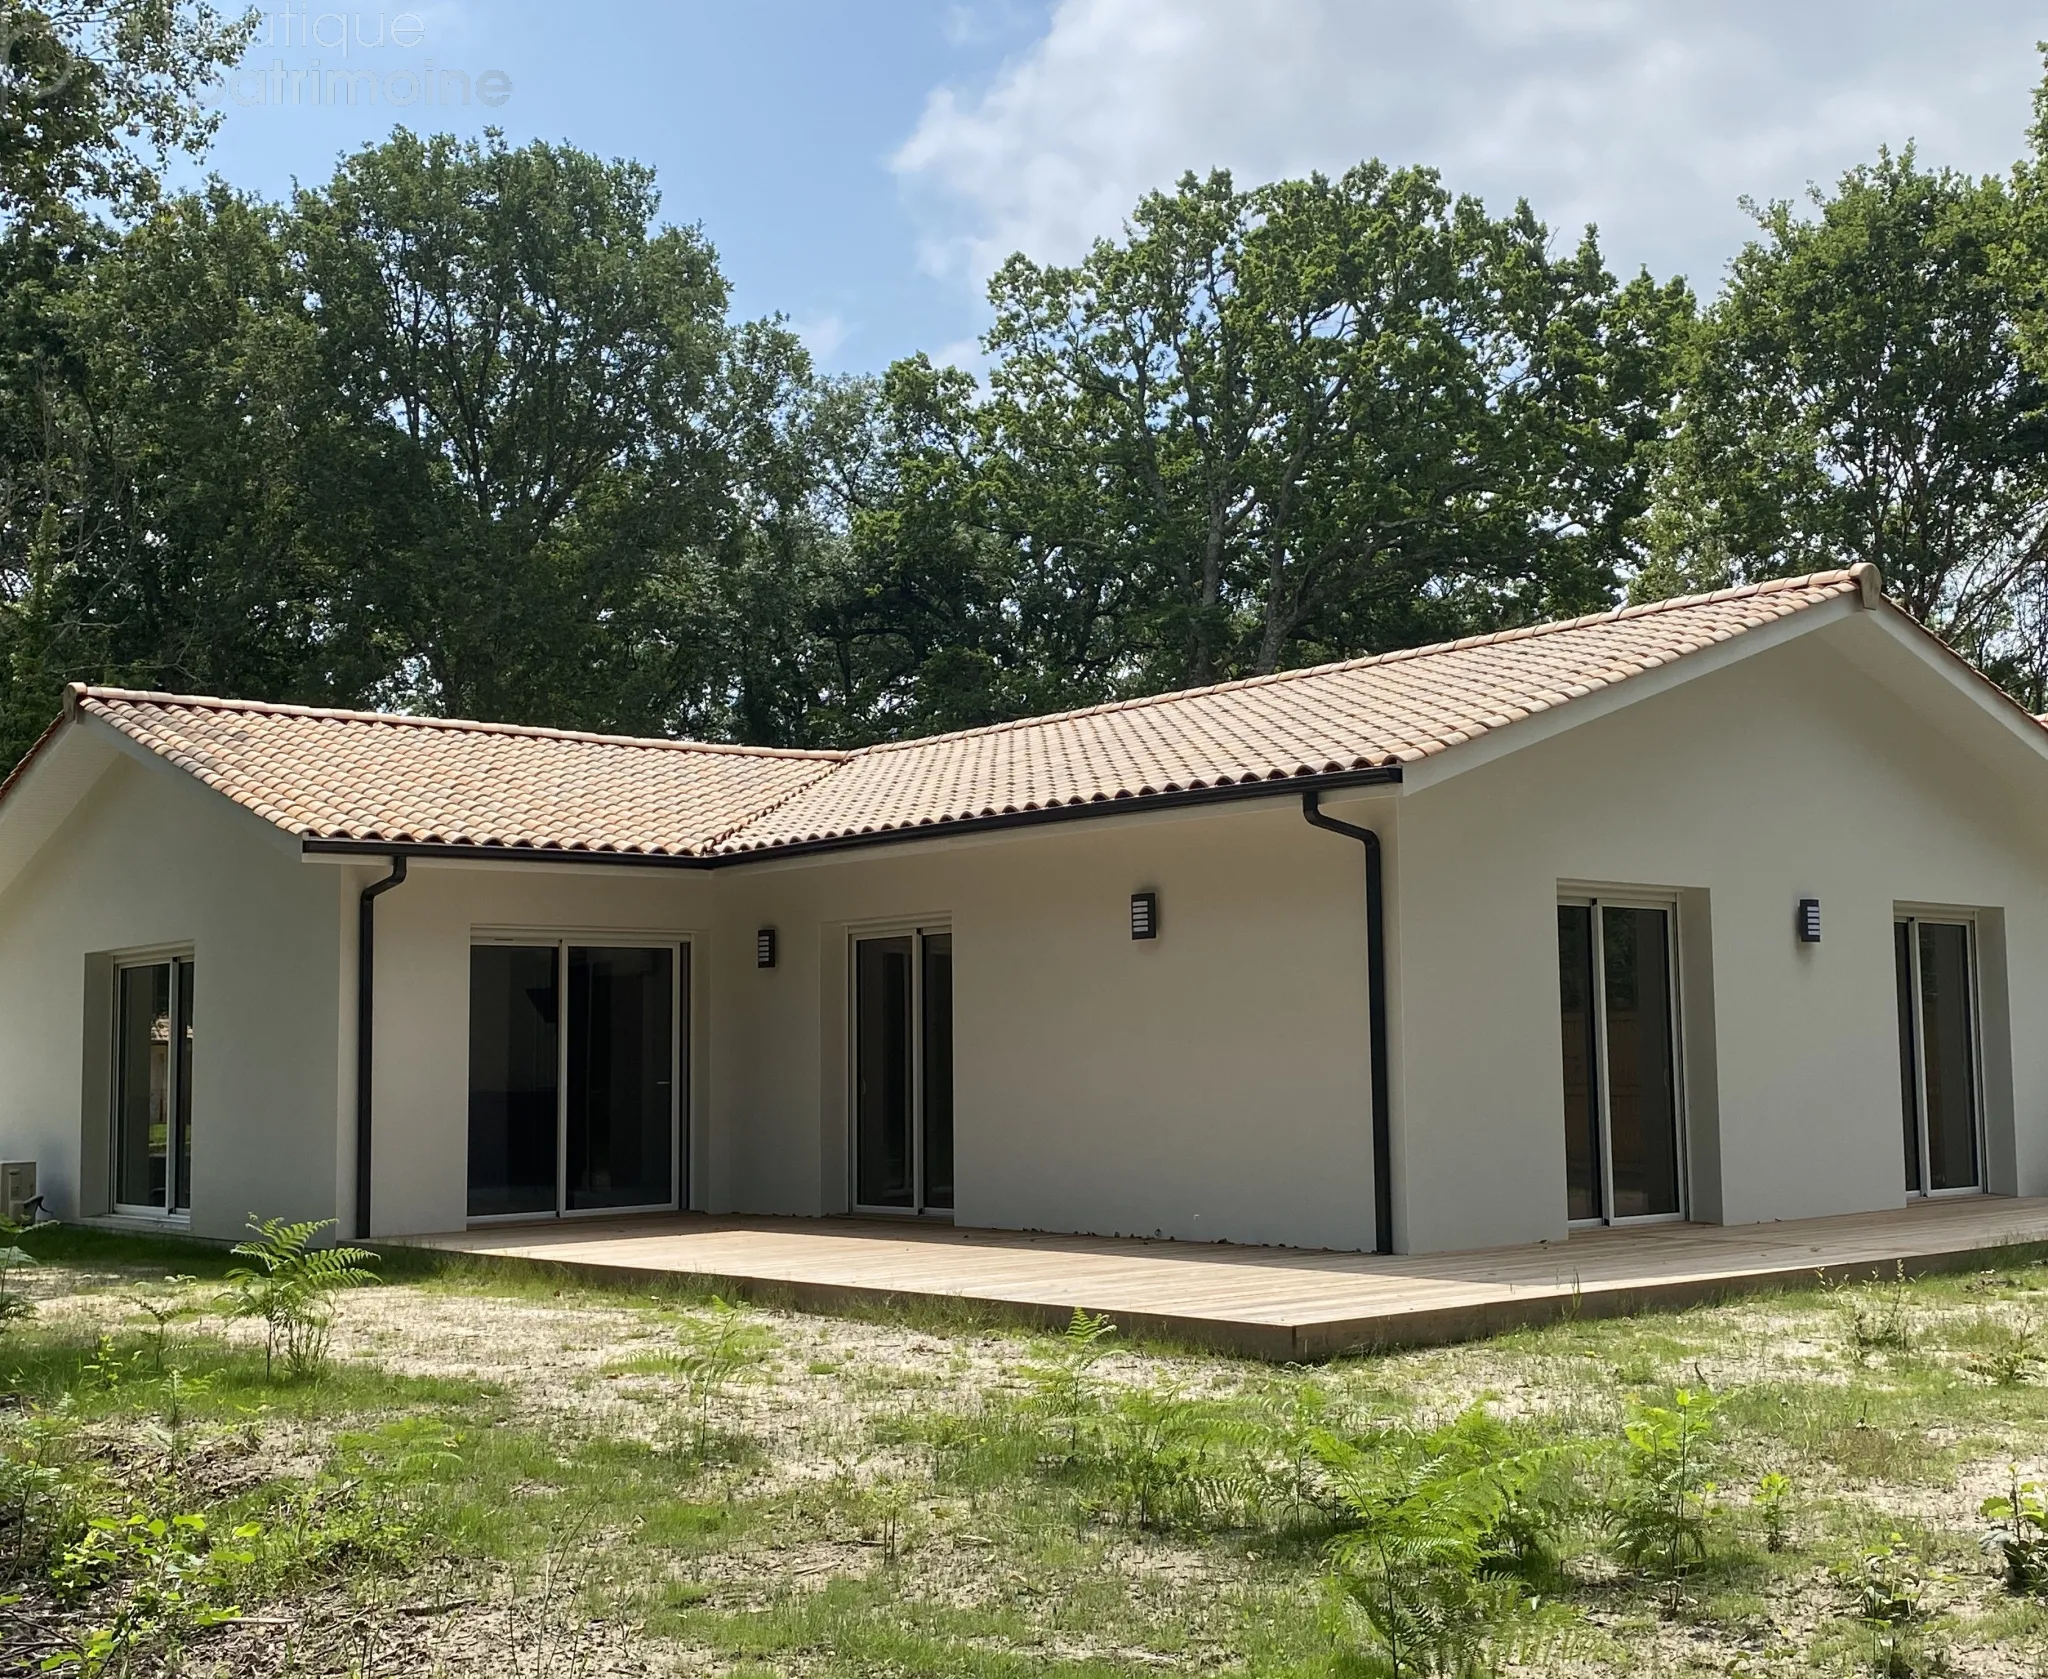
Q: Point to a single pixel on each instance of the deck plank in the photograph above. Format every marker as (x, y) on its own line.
(1264, 1302)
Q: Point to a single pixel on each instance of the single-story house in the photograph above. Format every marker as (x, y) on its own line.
(1727, 908)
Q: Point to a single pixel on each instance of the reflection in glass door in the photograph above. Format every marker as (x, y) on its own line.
(153, 1087)
(577, 1109)
(903, 1072)
(1617, 993)
(1936, 990)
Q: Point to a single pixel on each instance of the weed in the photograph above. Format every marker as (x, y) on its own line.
(1879, 1311)
(1172, 1463)
(1773, 1499)
(108, 1369)
(2007, 1352)
(2018, 1534)
(291, 1287)
(162, 1302)
(14, 1304)
(1659, 1519)
(42, 1509)
(1889, 1590)
(177, 1584)
(717, 1351)
(1061, 1383)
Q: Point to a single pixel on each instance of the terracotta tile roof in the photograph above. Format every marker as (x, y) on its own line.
(355, 775)
(1380, 712)
(372, 778)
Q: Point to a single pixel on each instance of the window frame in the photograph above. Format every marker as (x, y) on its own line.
(1947, 915)
(916, 929)
(682, 1061)
(123, 963)
(1596, 898)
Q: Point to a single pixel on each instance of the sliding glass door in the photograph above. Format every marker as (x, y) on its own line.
(1617, 984)
(576, 1068)
(1936, 987)
(153, 1087)
(903, 1072)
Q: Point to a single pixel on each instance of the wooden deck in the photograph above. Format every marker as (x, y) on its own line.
(1275, 1303)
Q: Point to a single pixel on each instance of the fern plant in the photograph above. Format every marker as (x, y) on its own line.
(1172, 1462)
(717, 1351)
(291, 1285)
(1061, 1386)
(1425, 1558)
(14, 1304)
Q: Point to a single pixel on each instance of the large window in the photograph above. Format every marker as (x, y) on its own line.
(1934, 959)
(153, 1086)
(576, 1075)
(1617, 984)
(903, 1072)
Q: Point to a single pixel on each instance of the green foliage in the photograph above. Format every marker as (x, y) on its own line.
(2017, 1535)
(291, 1286)
(177, 1582)
(161, 1302)
(14, 1304)
(1061, 1379)
(2008, 1352)
(1658, 1518)
(1860, 390)
(100, 95)
(43, 1508)
(1439, 1534)
(1879, 1312)
(1773, 1501)
(1890, 1587)
(717, 1350)
(1172, 1463)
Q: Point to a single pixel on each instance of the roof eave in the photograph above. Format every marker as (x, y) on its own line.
(963, 827)
(1636, 686)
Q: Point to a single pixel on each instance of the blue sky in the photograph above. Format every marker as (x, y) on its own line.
(861, 167)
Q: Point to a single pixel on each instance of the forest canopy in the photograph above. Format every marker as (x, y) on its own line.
(471, 429)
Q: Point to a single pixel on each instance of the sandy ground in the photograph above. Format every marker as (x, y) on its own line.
(569, 1364)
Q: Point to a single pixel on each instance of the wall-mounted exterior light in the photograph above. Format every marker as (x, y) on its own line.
(764, 948)
(1144, 915)
(1809, 921)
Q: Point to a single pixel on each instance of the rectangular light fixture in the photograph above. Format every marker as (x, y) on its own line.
(1809, 921)
(1144, 915)
(764, 948)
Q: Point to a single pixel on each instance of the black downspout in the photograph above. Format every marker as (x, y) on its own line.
(1376, 1019)
(366, 1008)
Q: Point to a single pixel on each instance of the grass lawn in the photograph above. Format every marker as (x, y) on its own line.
(500, 1473)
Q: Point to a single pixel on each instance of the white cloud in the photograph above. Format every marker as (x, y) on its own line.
(1649, 118)
(822, 336)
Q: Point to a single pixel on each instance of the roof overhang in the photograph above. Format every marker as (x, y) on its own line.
(1002, 824)
(1587, 708)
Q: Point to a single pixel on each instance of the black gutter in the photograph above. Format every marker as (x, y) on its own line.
(1376, 1019)
(1132, 805)
(366, 1009)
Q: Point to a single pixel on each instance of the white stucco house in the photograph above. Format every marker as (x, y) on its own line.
(1731, 908)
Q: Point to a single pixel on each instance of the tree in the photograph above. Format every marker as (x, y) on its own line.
(1859, 391)
(95, 95)
(1327, 417)
(590, 430)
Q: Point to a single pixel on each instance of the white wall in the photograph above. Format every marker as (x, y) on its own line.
(1794, 773)
(1213, 1084)
(420, 1176)
(151, 858)
(1210, 1084)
